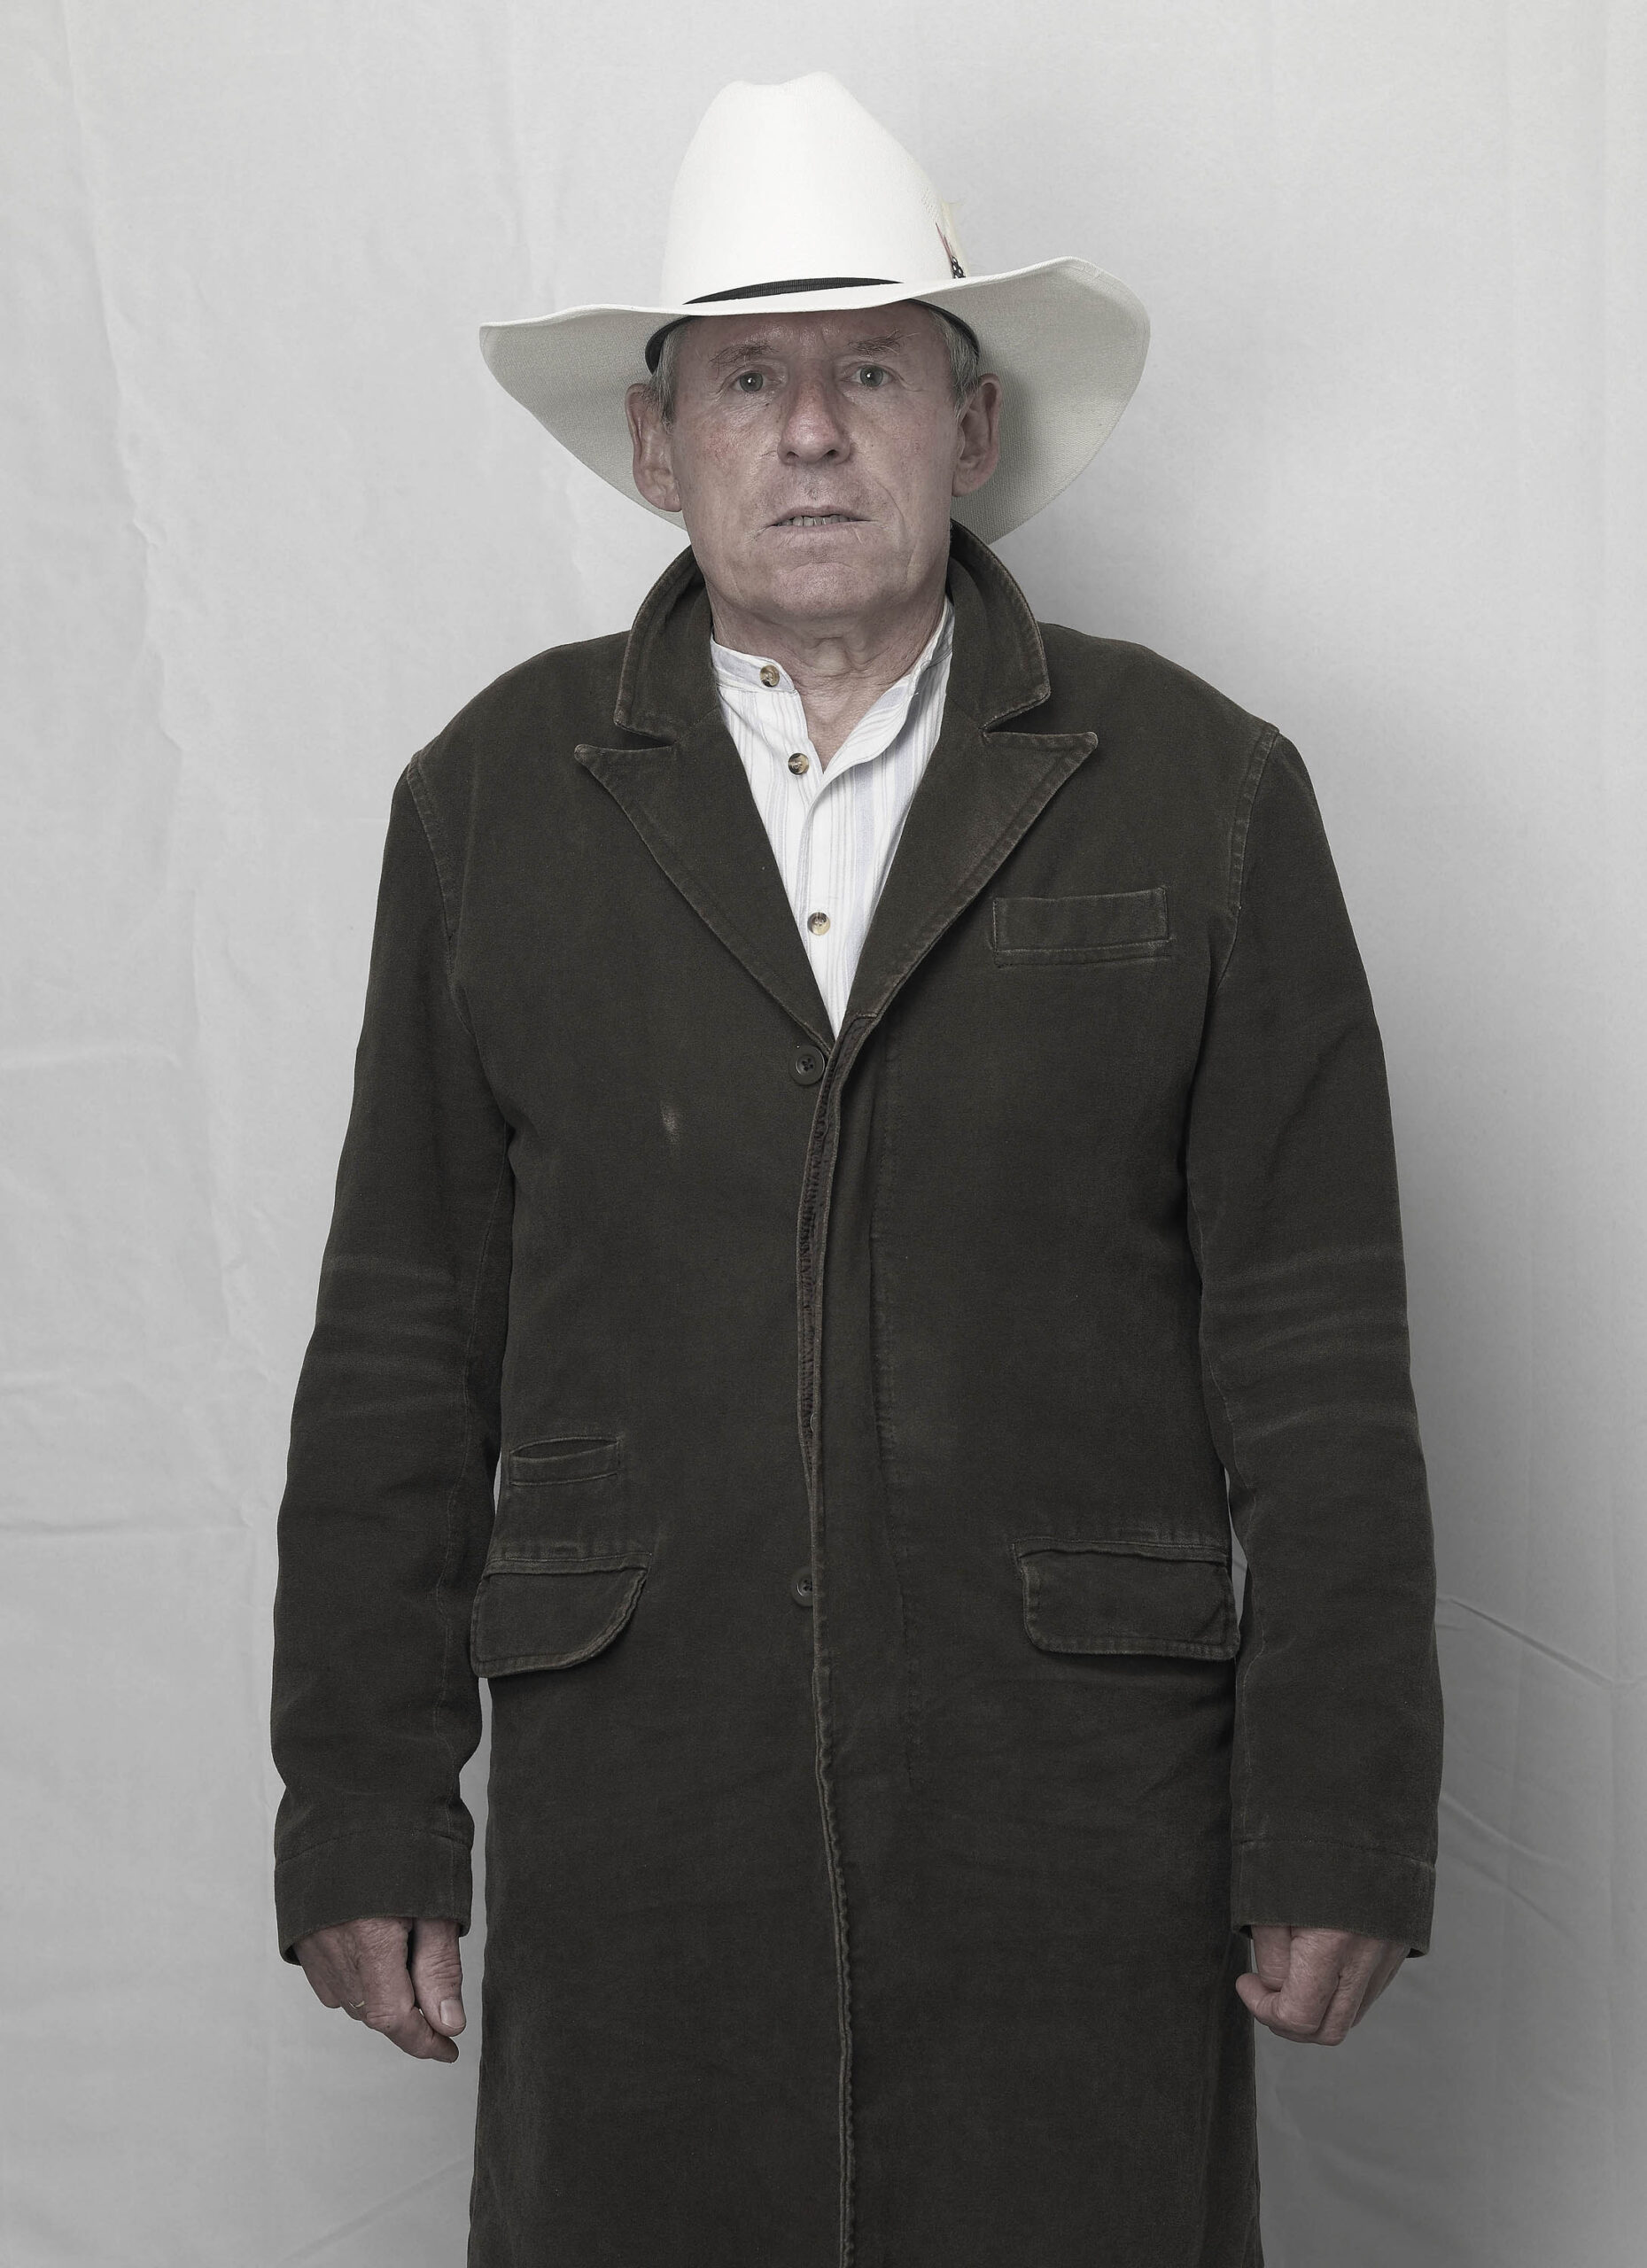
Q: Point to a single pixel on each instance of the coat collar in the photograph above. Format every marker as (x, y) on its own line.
(998, 669)
(687, 796)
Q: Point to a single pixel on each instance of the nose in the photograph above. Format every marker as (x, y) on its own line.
(813, 430)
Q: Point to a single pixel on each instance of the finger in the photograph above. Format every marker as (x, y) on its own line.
(1342, 2009)
(412, 2033)
(1344, 1965)
(1272, 1949)
(371, 1968)
(438, 1975)
(1365, 1971)
(1262, 2003)
(1294, 2009)
(385, 1984)
(1266, 2009)
(1381, 1976)
(324, 1993)
(317, 1959)
(389, 2007)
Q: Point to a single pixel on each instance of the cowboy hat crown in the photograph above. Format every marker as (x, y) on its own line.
(841, 201)
(793, 198)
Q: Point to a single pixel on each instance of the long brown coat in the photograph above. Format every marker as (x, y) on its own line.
(880, 1777)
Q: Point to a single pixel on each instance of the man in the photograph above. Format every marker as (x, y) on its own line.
(870, 1106)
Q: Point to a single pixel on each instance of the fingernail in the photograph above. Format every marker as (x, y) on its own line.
(452, 2014)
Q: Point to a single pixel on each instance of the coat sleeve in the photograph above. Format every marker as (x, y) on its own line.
(394, 1444)
(1295, 1225)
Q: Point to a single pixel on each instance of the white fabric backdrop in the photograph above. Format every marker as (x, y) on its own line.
(269, 522)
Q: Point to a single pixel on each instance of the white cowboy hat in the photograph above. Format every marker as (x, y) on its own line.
(791, 199)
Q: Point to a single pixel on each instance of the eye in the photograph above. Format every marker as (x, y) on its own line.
(748, 382)
(873, 374)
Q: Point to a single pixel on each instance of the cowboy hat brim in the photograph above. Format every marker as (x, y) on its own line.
(1067, 341)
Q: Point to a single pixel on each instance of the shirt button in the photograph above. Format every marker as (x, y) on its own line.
(806, 1065)
(769, 675)
(818, 923)
(801, 1586)
(798, 762)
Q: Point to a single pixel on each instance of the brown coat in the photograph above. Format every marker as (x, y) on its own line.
(881, 1781)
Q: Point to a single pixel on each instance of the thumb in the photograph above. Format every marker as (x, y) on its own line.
(438, 1975)
(1272, 1953)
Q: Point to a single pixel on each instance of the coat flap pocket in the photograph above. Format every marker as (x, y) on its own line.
(553, 1614)
(1143, 1597)
(568, 1456)
(565, 1502)
(1115, 924)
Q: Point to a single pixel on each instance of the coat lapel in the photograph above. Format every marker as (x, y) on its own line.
(688, 798)
(679, 779)
(983, 788)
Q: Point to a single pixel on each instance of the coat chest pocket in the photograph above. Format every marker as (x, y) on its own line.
(1133, 1598)
(567, 1561)
(1117, 925)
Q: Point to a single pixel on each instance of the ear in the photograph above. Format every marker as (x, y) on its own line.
(980, 437)
(654, 468)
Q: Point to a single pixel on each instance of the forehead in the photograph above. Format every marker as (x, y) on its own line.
(711, 342)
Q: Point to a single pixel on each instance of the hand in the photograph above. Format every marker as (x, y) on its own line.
(1311, 1985)
(403, 1978)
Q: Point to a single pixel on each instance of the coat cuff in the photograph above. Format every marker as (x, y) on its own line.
(355, 1876)
(1312, 1885)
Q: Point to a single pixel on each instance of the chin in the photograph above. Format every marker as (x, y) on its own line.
(828, 585)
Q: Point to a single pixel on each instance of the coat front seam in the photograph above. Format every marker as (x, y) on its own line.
(816, 1185)
(883, 1394)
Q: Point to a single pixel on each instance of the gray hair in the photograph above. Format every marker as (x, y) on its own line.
(965, 364)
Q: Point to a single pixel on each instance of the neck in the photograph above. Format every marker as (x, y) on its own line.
(840, 668)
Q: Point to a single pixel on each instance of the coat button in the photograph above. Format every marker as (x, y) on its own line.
(801, 1586)
(769, 676)
(798, 762)
(806, 1065)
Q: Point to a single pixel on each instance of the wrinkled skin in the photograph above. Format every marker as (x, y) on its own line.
(401, 1977)
(850, 412)
(1314, 1986)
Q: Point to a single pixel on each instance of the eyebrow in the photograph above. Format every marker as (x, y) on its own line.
(748, 350)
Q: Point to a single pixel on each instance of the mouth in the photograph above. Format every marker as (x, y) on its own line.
(819, 520)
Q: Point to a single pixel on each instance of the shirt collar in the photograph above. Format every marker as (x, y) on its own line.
(737, 670)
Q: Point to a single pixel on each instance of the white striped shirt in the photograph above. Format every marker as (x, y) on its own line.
(833, 831)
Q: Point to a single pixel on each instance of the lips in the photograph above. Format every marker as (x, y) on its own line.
(818, 520)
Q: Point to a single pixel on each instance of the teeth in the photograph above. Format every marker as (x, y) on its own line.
(813, 520)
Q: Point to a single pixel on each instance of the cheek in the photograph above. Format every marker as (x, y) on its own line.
(918, 448)
(922, 476)
(727, 470)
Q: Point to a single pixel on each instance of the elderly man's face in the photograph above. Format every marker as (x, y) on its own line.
(783, 421)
